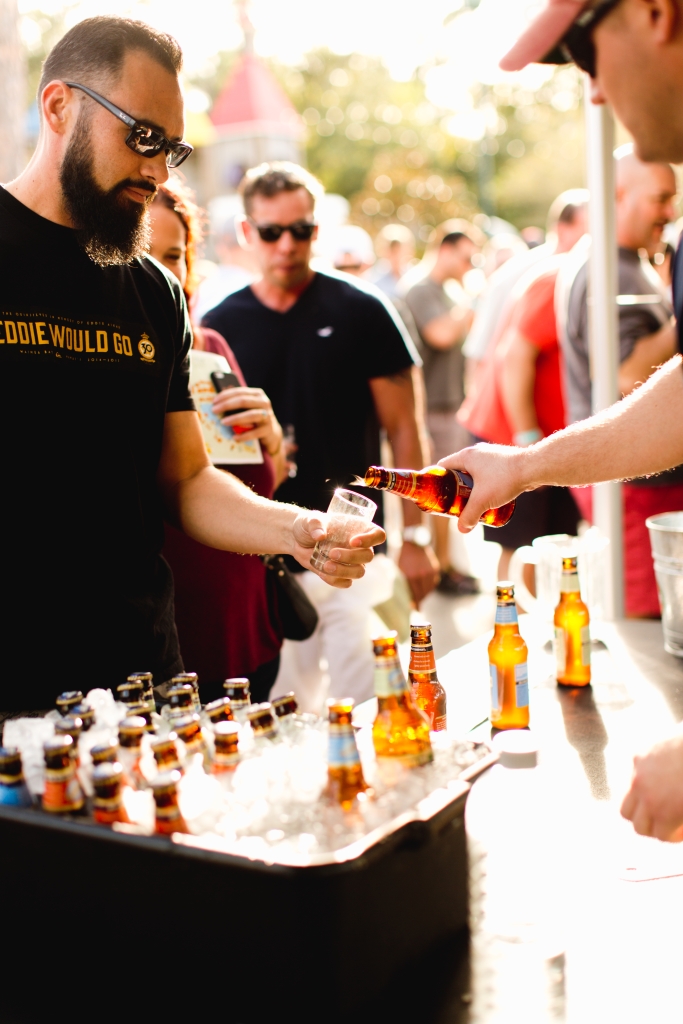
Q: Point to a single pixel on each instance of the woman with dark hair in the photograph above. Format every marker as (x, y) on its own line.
(225, 606)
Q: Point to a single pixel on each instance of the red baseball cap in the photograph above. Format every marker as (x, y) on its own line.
(544, 33)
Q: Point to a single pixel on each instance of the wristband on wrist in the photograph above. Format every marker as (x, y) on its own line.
(526, 437)
(421, 535)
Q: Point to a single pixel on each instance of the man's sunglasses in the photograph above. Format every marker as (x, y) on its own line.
(300, 230)
(142, 139)
(577, 44)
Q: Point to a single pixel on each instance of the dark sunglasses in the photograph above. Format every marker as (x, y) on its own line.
(300, 230)
(142, 139)
(577, 44)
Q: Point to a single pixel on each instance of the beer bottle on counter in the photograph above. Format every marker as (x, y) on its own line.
(130, 740)
(444, 492)
(400, 730)
(345, 778)
(263, 724)
(62, 793)
(130, 692)
(226, 754)
(180, 701)
(13, 789)
(427, 692)
(572, 630)
(219, 710)
(237, 690)
(107, 780)
(168, 816)
(166, 754)
(67, 700)
(508, 665)
(193, 679)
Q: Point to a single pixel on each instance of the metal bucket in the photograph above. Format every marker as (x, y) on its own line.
(666, 540)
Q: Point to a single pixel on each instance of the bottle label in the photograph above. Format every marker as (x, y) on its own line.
(494, 688)
(422, 659)
(342, 749)
(439, 723)
(405, 484)
(506, 613)
(522, 685)
(560, 645)
(585, 645)
(569, 583)
(389, 679)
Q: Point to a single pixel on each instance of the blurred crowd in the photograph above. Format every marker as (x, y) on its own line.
(337, 346)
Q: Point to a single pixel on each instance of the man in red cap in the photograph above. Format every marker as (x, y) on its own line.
(633, 52)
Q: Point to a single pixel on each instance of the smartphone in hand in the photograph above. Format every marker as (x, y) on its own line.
(222, 382)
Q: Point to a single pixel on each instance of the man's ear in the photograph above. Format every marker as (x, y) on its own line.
(664, 17)
(58, 106)
(244, 232)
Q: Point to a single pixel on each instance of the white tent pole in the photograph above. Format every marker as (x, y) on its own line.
(604, 328)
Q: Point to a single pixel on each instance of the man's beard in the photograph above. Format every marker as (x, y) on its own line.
(111, 228)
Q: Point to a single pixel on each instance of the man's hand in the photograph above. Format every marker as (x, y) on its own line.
(420, 566)
(498, 474)
(654, 803)
(344, 564)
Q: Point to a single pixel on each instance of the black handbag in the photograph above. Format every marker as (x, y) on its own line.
(297, 614)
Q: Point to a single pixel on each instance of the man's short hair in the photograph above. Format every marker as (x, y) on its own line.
(452, 231)
(96, 48)
(564, 209)
(271, 179)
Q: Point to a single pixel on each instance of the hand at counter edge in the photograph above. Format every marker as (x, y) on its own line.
(344, 564)
(654, 803)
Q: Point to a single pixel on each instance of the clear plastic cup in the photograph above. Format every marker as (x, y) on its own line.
(345, 512)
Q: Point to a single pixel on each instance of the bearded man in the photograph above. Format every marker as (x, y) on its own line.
(101, 437)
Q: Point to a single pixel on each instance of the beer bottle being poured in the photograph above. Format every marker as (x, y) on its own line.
(444, 492)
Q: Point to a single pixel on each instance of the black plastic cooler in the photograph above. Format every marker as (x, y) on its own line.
(177, 925)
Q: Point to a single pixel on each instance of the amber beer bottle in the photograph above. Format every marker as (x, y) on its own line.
(168, 816)
(107, 780)
(508, 665)
(400, 730)
(226, 754)
(345, 778)
(444, 492)
(428, 693)
(572, 630)
(62, 793)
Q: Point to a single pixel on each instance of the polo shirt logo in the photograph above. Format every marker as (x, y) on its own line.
(325, 332)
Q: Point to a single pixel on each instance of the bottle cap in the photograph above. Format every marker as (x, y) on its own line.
(181, 695)
(130, 692)
(69, 725)
(10, 762)
(186, 677)
(85, 713)
(226, 735)
(131, 730)
(516, 748)
(285, 705)
(569, 563)
(505, 590)
(219, 710)
(237, 689)
(261, 718)
(58, 745)
(165, 782)
(66, 701)
(103, 752)
(188, 728)
(421, 630)
(107, 773)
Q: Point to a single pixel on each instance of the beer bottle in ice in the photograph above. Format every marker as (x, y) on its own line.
(226, 748)
(444, 492)
(508, 665)
(13, 789)
(193, 679)
(345, 778)
(107, 780)
(147, 681)
(263, 725)
(130, 750)
(428, 693)
(67, 700)
(168, 816)
(62, 793)
(166, 754)
(237, 689)
(219, 710)
(572, 631)
(400, 730)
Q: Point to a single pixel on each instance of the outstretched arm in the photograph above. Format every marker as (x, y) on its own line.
(218, 510)
(641, 435)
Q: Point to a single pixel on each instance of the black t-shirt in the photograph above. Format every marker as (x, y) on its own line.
(314, 362)
(92, 359)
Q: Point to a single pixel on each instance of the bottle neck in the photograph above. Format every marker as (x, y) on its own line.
(569, 583)
(389, 678)
(398, 481)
